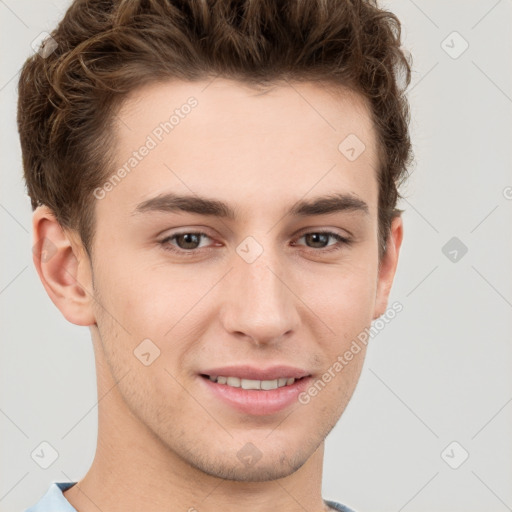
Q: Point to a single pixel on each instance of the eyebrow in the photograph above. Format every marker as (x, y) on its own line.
(323, 205)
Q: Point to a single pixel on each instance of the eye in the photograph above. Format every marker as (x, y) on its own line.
(320, 240)
(185, 242)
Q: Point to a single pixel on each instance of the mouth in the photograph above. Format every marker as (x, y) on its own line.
(255, 391)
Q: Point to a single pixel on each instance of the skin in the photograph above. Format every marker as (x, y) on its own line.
(161, 438)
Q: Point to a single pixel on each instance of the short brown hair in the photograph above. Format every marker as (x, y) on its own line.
(106, 49)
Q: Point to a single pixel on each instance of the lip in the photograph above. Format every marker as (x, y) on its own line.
(251, 372)
(252, 401)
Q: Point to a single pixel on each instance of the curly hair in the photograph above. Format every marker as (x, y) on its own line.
(103, 50)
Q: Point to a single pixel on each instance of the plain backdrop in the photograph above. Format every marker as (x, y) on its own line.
(429, 425)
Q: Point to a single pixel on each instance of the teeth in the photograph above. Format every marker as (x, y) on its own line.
(269, 384)
(236, 382)
(250, 384)
(233, 381)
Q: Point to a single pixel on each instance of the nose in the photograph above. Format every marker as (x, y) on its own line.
(258, 301)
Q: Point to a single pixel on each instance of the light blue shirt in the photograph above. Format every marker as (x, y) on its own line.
(54, 501)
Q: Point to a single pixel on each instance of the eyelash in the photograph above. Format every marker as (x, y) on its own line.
(335, 247)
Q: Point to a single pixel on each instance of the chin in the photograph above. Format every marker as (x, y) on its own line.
(259, 471)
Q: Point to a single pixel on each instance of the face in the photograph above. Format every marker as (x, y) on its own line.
(265, 270)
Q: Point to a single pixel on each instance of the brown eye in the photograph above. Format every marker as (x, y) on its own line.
(188, 240)
(317, 240)
(320, 240)
(185, 242)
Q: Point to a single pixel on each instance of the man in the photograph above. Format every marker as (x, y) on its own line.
(215, 190)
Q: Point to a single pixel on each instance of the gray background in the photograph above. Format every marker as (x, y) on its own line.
(439, 372)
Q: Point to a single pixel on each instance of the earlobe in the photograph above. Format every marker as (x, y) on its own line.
(388, 266)
(63, 267)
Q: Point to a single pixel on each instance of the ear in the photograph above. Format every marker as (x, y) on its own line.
(63, 267)
(388, 266)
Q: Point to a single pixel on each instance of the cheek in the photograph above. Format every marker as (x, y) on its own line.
(146, 301)
(343, 297)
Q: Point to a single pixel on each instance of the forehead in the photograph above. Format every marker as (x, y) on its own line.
(321, 110)
(239, 143)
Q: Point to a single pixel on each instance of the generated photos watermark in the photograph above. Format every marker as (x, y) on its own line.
(156, 136)
(356, 346)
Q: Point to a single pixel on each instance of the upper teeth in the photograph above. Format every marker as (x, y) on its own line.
(253, 384)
